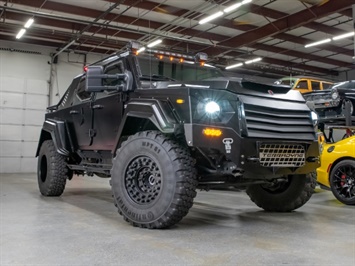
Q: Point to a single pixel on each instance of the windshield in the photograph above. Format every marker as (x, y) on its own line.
(156, 69)
(345, 84)
(286, 81)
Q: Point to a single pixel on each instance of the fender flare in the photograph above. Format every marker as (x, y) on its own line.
(147, 109)
(58, 132)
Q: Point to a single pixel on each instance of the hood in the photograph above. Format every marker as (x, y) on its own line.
(241, 87)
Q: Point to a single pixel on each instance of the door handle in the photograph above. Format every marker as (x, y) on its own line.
(98, 106)
(74, 112)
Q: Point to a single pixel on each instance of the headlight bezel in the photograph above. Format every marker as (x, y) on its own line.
(223, 115)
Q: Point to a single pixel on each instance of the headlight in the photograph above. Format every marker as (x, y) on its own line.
(314, 118)
(335, 95)
(212, 108)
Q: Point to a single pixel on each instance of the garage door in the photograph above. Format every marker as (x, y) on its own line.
(22, 108)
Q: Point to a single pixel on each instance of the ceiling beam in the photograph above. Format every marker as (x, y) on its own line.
(289, 22)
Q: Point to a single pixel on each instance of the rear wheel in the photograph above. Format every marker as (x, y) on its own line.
(52, 171)
(342, 181)
(283, 196)
(153, 180)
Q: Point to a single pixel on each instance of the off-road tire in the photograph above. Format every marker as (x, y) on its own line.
(51, 170)
(286, 197)
(153, 180)
(341, 190)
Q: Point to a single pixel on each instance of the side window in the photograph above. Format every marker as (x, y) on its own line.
(117, 68)
(315, 85)
(326, 86)
(302, 84)
(81, 94)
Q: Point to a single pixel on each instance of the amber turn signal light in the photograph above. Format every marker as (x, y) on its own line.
(212, 132)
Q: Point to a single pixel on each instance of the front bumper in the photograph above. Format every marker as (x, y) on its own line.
(247, 153)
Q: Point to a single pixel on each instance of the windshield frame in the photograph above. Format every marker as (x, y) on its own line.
(191, 68)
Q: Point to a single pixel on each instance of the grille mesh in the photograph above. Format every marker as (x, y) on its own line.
(282, 155)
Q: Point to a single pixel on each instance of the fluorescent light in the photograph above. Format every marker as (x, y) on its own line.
(343, 36)
(253, 60)
(154, 43)
(29, 23)
(141, 50)
(235, 65)
(209, 18)
(20, 33)
(318, 43)
(233, 7)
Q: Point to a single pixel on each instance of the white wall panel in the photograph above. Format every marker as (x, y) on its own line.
(37, 86)
(10, 148)
(10, 165)
(10, 99)
(11, 116)
(11, 132)
(12, 84)
(34, 101)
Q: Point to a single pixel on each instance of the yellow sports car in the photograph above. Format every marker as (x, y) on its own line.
(337, 170)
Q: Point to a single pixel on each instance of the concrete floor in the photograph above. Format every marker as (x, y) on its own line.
(82, 227)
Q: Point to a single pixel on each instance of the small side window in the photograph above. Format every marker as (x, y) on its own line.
(326, 86)
(315, 85)
(302, 85)
(81, 93)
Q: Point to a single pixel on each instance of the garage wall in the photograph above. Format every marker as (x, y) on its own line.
(24, 92)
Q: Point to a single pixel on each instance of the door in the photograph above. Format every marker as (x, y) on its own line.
(107, 111)
(82, 116)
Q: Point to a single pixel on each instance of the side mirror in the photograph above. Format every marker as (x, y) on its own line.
(95, 77)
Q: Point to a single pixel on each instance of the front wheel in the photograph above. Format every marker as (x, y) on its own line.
(52, 171)
(153, 180)
(342, 181)
(283, 196)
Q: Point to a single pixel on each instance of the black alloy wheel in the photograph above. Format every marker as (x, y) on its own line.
(342, 181)
(153, 180)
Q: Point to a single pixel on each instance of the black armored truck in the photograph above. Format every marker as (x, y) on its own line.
(162, 124)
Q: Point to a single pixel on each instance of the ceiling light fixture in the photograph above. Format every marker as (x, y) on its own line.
(29, 23)
(234, 66)
(20, 33)
(140, 50)
(343, 36)
(212, 17)
(232, 7)
(154, 43)
(253, 60)
(317, 43)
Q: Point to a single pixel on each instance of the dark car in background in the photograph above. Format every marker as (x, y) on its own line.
(332, 104)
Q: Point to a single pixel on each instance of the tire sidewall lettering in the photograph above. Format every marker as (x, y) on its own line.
(144, 213)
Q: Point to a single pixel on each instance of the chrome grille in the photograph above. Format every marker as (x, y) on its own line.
(282, 155)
